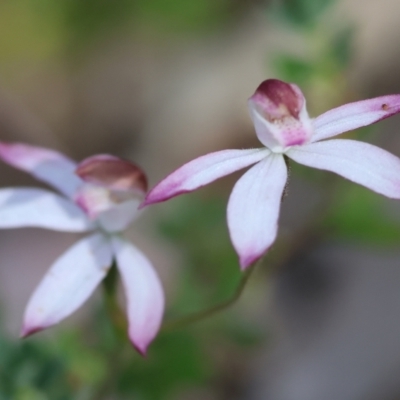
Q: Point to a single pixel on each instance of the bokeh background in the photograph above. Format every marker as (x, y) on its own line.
(163, 81)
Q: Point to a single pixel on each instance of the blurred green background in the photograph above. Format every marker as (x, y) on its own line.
(160, 82)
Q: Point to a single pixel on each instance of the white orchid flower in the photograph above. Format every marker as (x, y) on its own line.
(101, 194)
(278, 110)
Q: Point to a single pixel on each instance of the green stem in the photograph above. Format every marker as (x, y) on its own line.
(110, 286)
(210, 311)
(119, 326)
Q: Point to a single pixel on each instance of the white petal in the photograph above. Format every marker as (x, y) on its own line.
(119, 217)
(355, 115)
(26, 207)
(253, 208)
(144, 293)
(360, 162)
(68, 283)
(203, 170)
(46, 165)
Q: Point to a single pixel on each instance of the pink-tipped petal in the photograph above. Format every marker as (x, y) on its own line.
(46, 165)
(359, 162)
(253, 208)
(68, 283)
(278, 110)
(355, 115)
(203, 170)
(26, 207)
(144, 293)
(113, 173)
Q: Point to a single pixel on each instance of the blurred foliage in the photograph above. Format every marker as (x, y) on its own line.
(61, 369)
(319, 62)
(182, 15)
(364, 216)
(85, 20)
(40, 28)
(177, 361)
(300, 13)
(27, 30)
(325, 60)
(342, 46)
(294, 69)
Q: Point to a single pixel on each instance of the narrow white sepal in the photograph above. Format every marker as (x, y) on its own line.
(253, 208)
(68, 283)
(143, 291)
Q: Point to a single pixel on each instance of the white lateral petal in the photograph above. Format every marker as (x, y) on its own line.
(355, 115)
(253, 208)
(359, 162)
(203, 170)
(144, 293)
(26, 207)
(68, 283)
(46, 165)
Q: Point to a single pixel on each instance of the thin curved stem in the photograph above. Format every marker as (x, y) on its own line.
(210, 311)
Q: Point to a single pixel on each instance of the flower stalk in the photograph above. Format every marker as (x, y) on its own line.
(113, 309)
(183, 322)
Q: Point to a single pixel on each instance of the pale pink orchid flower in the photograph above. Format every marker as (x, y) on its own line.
(102, 195)
(278, 110)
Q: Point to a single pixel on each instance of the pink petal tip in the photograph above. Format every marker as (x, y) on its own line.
(246, 261)
(28, 330)
(159, 197)
(141, 349)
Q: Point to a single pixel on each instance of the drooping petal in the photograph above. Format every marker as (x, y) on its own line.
(278, 110)
(203, 170)
(28, 207)
(359, 162)
(253, 208)
(355, 115)
(144, 293)
(113, 173)
(46, 165)
(68, 284)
